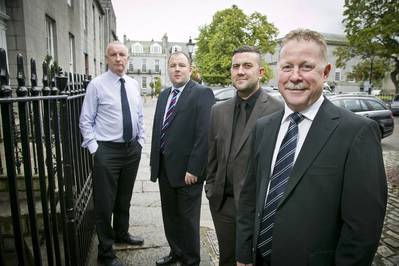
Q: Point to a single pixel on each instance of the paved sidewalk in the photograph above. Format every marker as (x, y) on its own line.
(146, 218)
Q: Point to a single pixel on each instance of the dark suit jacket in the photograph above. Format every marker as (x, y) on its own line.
(220, 134)
(333, 209)
(186, 137)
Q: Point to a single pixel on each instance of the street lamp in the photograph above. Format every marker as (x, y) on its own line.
(190, 46)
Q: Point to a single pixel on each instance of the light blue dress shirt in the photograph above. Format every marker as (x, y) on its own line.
(101, 114)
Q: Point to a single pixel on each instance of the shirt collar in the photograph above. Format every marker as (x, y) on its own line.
(250, 101)
(309, 113)
(114, 77)
(179, 88)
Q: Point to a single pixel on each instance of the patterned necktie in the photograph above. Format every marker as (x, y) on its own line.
(127, 118)
(168, 117)
(278, 182)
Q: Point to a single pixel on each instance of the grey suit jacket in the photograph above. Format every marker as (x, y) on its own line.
(220, 134)
(333, 209)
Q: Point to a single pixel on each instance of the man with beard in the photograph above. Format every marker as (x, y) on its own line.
(229, 145)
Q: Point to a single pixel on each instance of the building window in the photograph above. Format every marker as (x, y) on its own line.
(72, 66)
(144, 65)
(131, 68)
(144, 82)
(94, 23)
(155, 48)
(137, 48)
(337, 74)
(85, 15)
(156, 65)
(50, 37)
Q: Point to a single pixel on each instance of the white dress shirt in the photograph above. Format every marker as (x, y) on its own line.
(101, 115)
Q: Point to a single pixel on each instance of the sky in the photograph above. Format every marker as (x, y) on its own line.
(180, 19)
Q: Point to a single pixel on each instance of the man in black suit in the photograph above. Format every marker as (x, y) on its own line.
(326, 203)
(229, 145)
(179, 156)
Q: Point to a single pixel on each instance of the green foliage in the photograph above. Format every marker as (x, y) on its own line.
(361, 71)
(229, 30)
(52, 67)
(157, 86)
(372, 29)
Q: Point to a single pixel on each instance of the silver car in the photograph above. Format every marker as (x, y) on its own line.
(395, 105)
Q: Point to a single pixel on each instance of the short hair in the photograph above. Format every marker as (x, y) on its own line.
(307, 35)
(180, 52)
(116, 43)
(248, 49)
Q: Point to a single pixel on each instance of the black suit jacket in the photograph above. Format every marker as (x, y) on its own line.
(333, 209)
(186, 137)
(220, 134)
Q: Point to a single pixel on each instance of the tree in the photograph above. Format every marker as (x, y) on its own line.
(230, 29)
(372, 29)
(361, 71)
(157, 85)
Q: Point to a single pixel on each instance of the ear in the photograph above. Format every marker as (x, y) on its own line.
(326, 71)
(262, 72)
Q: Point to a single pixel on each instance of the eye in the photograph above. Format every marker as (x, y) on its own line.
(286, 68)
(247, 66)
(235, 66)
(307, 67)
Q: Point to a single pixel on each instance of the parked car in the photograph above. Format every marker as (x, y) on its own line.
(368, 106)
(223, 94)
(395, 105)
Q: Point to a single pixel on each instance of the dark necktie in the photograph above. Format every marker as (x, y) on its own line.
(168, 117)
(239, 126)
(127, 118)
(278, 181)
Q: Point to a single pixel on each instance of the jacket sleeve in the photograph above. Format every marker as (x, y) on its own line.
(198, 156)
(364, 197)
(212, 155)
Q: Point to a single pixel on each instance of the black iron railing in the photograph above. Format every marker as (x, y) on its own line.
(41, 141)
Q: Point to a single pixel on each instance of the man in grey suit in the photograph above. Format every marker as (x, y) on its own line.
(229, 141)
(313, 195)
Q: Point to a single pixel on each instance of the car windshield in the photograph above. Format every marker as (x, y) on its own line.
(396, 99)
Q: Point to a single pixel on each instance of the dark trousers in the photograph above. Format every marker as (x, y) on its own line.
(224, 220)
(181, 209)
(114, 172)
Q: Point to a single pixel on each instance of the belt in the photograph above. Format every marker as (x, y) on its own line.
(119, 144)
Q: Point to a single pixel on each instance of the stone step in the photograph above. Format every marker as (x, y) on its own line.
(6, 224)
(20, 183)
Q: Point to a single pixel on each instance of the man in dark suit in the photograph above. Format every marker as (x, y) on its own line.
(313, 194)
(178, 158)
(229, 145)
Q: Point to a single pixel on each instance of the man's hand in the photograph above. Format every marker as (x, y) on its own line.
(190, 179)
(243, 264)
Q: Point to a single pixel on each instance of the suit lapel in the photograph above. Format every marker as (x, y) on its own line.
(259, 109)
(324, 124)
(163, 101)
(266, 150)
(227, 121)
(183, 98)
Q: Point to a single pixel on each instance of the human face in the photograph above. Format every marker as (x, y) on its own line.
(246, 73)
(301, 73)
(117, 58)
(179, 70)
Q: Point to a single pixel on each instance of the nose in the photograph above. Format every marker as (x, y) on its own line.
(295, 75)
(241, 70)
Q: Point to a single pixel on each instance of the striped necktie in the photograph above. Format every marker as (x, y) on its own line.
(278, 181)
(168, 117)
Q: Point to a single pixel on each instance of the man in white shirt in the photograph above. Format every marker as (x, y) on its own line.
(311, 196)
(111, 124)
